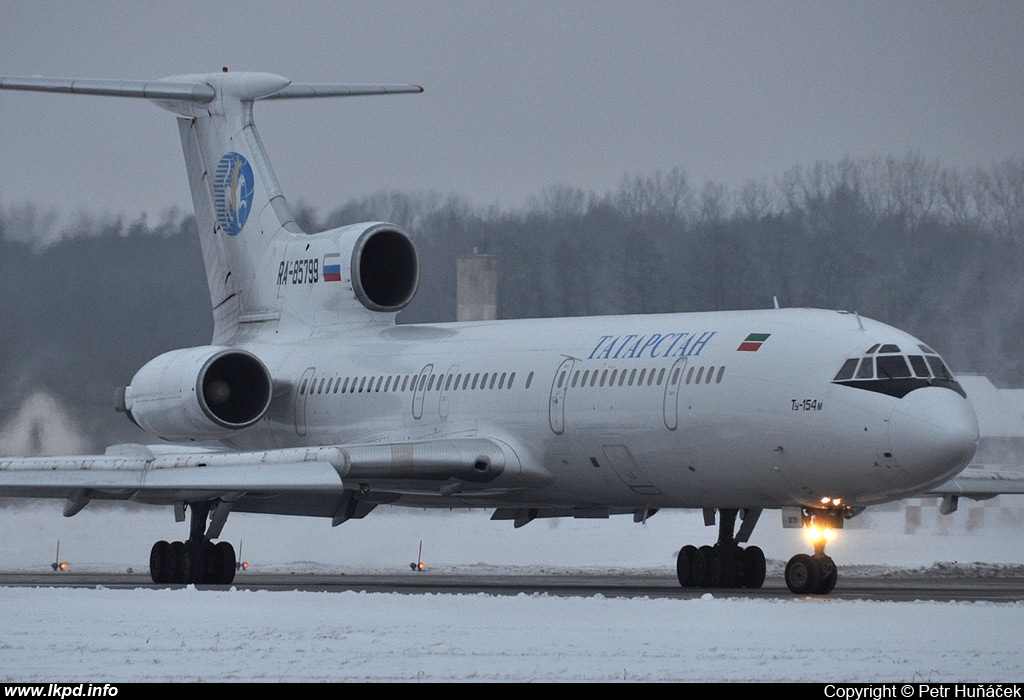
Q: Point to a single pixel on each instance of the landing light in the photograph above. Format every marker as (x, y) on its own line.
(817, 534)
(829, 501)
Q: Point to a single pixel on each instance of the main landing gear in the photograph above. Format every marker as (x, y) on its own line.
(726, 564)
(197, 560)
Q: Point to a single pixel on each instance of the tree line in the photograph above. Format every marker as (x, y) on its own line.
(936, 251)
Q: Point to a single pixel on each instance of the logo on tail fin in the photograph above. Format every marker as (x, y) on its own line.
(232, 188)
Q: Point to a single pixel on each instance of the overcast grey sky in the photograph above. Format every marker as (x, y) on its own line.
(519, 94)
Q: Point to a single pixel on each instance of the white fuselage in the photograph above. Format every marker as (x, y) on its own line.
(627, 412)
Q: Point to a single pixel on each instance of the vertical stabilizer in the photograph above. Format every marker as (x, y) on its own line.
(245, 226)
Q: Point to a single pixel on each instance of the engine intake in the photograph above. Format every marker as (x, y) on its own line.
(385, 268)
(203, 393)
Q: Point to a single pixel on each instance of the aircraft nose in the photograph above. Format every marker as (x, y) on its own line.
(933, 433)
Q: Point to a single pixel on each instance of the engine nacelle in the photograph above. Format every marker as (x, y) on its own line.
(385, 268)
(203, 393)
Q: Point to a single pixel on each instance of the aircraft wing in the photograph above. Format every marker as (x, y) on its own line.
(168, 475)
(981, 484)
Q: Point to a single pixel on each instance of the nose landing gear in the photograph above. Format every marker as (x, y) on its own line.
(816, 574)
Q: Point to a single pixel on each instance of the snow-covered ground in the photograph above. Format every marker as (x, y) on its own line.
(105, 635)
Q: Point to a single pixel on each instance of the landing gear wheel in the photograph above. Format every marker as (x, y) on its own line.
(754, 567)
(172, 562)
(223, 563)
(803, 574)
(702, 566)
(828, 574)
(724, 566)
(157, 562)
(684, 566)
(192, 563)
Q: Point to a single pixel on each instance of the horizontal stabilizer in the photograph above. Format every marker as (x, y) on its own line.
(150, 89)
(197, 89)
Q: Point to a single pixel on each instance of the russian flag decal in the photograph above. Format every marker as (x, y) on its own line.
(753, 342)
(332, 267)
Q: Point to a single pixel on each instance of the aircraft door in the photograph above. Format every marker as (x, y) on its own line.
(420, 390)
(672, 387)
(556, 402)
(301, 392)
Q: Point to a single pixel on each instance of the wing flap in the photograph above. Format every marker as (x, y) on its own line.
(165, 473)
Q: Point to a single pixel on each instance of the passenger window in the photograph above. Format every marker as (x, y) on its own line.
(661, 376)
(604, 376)
(700, 374)
(689, 374)
(448, 383)
(611, 379)
(561, 379)
(511, 378)
(675, 377)
(302, 387)
(711, 371)
(593, 378)
(494, 378)
(529, 380)
(892, 367)
(847, 370)
(501, 382)
(721, 371)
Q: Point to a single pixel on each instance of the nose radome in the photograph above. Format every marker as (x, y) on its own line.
(933, 433)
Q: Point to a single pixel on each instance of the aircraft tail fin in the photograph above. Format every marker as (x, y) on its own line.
(245, 225)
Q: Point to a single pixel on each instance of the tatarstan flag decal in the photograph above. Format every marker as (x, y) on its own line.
(753, 342)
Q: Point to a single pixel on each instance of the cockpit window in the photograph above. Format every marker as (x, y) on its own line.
(938, 368)
(846, 371)
(885, 369)
(919, 365)
(892, 367)
(867, 369)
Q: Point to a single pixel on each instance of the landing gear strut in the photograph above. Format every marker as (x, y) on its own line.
(197, 560)
(726, 564)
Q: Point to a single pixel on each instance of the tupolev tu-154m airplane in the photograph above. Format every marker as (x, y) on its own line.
(325, 407)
